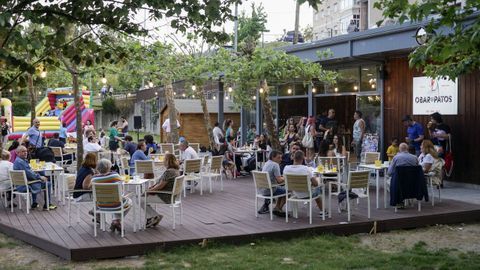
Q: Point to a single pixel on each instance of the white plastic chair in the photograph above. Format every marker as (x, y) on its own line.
(70, 181)
(108, 193)
(214, 171)
(191, 170)
(357, 180)
(302, 183)
(124, 166)
(19, 178)
(167, 147)
(262, 182)
(370, 157)
(176, 198)
(144, 167)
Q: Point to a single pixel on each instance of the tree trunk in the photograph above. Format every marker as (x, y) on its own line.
(33, 97)
(206, 117)
(297, 22)
(268, 117)
(172, 112)
(78, 112)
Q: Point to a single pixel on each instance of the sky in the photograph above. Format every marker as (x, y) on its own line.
(280, 16)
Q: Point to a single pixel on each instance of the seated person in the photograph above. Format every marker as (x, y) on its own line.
(55, 141)
(187, 151)
(21, 163)
(273, 168)
(138, 155)
(300, 169)
(130, 146)
(92, 145)
(5, 167)
(165, 183)
(235, 157)
(151, 145)
(287, 158)
(105, 175)
(403, 158)
(431, 162)
(84, 178)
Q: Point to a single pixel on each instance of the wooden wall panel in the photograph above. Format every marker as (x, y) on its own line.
(465, 126)
(193, 129)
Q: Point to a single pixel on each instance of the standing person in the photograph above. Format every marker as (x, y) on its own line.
(329, 124)
(124, 125)
(63, 133)
(5, 132)
(301, 127)
(13, 150)
(21, 163)
(311, 131)
(34, 136)
(272, 167)
(166, 125)
(290, 137)
(358, 133)
(113, 136)
(229, 133)
(217, 135)
(440, 133)
(415, 134)
(251, 134)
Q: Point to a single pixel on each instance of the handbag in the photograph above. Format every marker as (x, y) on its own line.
(307, 140)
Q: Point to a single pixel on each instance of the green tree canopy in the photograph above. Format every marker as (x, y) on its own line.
(452, 47)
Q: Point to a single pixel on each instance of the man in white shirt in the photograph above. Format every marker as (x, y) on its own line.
(92, 146)
(187, 151)
(217, 134)
(166, 125)
(299, 169)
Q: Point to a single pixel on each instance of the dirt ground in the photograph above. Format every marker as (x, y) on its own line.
(463, 237)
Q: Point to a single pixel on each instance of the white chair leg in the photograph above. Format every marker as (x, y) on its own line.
(221, 181)
(419, 206)
(95, 223)
(27, 201)
(330, 202)
(173, 216)
(310, 211)
(256, 206)
(286, 211)
(181, 213)
(368, 206)
(348, 205)
(122, 223)
(11, 203)
(68, 213)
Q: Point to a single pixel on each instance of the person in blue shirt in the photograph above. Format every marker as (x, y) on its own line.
(21, 163)
(63, 133)
(34, 135)
(130, 146)
(138, 155)
(151, 145)
(415, 133)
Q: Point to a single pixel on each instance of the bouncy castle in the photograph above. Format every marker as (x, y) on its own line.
(55, 108)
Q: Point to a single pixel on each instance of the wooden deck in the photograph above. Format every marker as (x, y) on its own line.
(225, 216)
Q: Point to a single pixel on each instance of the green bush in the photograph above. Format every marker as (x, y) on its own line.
(109, 106)
(20, 108)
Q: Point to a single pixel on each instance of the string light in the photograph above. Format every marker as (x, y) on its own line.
(355, 87)
(43, 74)
(226, 97)
(194, 87)
(10, 90)
(174, 93)
(336, 89)
(289, 91)
(183, 95)
(260, 90)
(150, 83)
(104, 79)
(214, 97)
(39, 92)
(193, 96)
(230, 89)
(156, 93)
(128, 94)
(254, 97)
(314, 90)
(373, 86)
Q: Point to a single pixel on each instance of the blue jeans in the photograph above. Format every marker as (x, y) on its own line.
(276, 191)
(36, 188)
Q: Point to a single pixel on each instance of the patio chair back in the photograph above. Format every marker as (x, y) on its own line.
(358, 179)
(143, 166)
(71, 179)
(370, 157)
(167, 147)
(192, 165)
(124, 165)
(57, 151)
(216, 163)
(18, 177)
(262, 180)
(177, 188)
(298, 183)
(195, 146)
(107, 193)
(331, 161)
(205, 160)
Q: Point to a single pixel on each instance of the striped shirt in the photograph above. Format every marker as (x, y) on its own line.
(112, 177)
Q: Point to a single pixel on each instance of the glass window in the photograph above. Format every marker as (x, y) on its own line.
(370, 106)
(368, 80)
(292, 90)
(347, 81)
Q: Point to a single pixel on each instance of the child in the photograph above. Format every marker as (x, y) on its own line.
(392, 149)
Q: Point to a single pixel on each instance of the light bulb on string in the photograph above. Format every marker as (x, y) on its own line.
(194, 87)
(43, 74)
(214, 97)
(260, 90)
(289, 91)
(10, 90)
(104, 79)
(314, 90)
(150, 84)
(230, 89)
(254, 97)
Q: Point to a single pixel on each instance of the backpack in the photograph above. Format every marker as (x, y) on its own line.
(251, 164)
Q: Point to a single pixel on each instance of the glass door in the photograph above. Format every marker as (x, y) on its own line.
(371, 108)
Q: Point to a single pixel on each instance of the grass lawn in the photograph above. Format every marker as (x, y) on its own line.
(316, 252)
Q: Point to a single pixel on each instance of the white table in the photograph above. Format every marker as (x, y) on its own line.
(140, 185)
(377, 180)
(53, 170)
